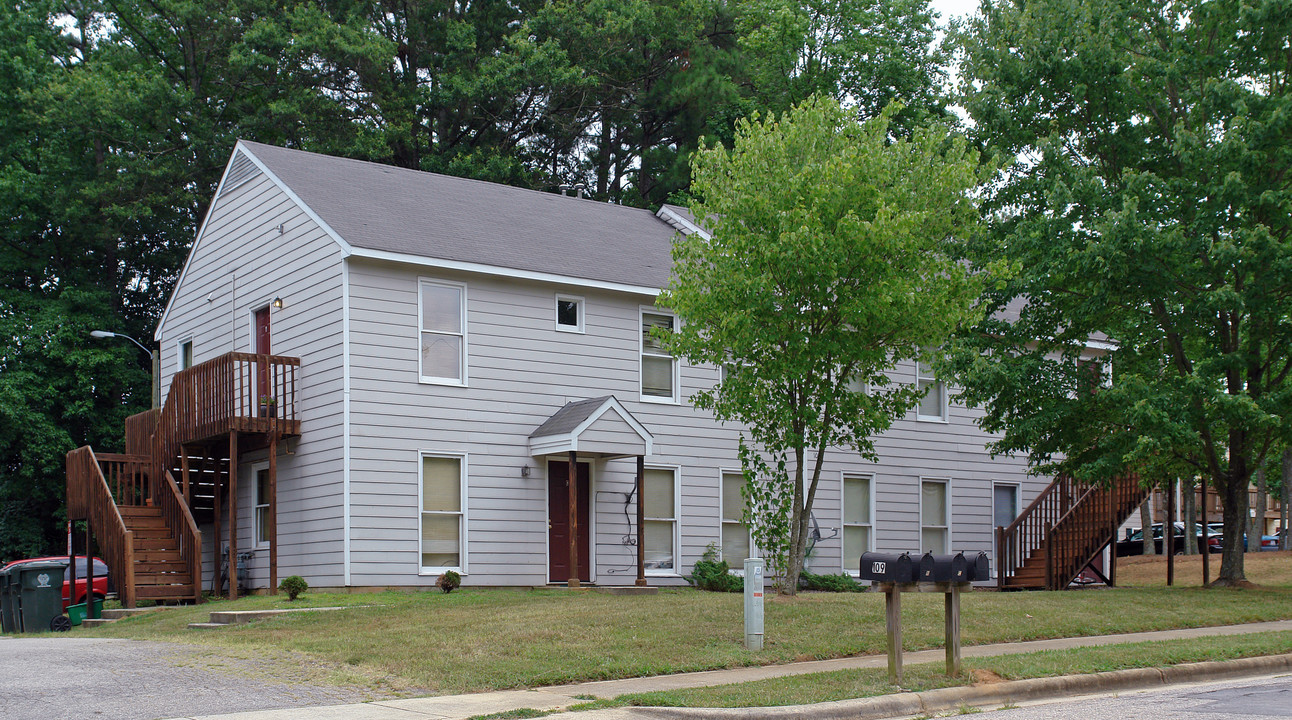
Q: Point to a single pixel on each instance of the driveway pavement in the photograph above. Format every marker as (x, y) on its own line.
(55, 678)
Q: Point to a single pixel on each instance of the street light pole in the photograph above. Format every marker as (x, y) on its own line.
(152, 357)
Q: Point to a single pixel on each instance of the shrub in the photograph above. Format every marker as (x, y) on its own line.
(713, 574)
(294, 586)
(840, 582)
(449, 581)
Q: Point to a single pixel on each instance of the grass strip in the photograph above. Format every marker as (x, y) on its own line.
(868, 682)
(491, 639)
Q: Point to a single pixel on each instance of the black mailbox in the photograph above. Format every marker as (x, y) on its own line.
(980, 567)
(888, 567)
(944, 568)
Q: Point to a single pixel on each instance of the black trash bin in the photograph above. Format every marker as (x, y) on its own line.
(40, 602)
(7, 624)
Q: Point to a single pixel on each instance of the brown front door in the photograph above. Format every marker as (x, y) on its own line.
(558, 514)
(262, 348)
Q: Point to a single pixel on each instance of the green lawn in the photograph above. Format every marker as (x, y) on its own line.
(476, 639)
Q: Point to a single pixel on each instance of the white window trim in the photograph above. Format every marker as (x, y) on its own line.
(431, 379)
(753, 551)
(676, 520)
(946, 481)
(462, 513)
(256, 468)
(945, 416)
(641, 353)
(556, 308)
(852, 566)
(179, 352)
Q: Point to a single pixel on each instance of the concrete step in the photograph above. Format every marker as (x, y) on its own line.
(119, 613)
(97, 622)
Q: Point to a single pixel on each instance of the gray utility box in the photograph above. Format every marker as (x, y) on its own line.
(889, 568)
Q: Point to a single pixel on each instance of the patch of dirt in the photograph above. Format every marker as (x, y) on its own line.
(985, 677)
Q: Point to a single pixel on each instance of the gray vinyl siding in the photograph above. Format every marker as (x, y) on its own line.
(520, 371)
(304, 267)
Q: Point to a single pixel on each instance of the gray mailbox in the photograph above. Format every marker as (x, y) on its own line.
(888, 567)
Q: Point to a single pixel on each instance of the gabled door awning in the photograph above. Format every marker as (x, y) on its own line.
(600, 427)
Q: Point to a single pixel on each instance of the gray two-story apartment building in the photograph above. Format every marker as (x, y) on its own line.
(451, 342)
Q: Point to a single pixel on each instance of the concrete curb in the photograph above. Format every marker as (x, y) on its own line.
(1005, 693)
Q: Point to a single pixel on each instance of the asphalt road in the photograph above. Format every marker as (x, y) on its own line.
(1249, 699)
(52, 678)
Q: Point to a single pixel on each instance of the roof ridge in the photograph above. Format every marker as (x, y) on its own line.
(402, 169)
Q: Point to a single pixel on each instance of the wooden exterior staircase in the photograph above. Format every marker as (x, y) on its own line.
(1062, 532)
(145, 522)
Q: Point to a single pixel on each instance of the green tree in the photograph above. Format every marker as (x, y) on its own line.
(865, 53)
(1147, 200)
(829, 257)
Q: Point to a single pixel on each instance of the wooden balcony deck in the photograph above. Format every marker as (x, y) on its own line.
(236, 392)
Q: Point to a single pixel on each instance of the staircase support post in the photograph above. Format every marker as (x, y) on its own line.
(233, 515)
(1049, 557)
(272, 530)
(183, 465)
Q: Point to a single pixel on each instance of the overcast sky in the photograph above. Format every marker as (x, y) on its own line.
(950, 8)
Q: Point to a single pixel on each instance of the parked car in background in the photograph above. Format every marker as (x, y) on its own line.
(101, 581)
(1268, 542)
(1133, 543)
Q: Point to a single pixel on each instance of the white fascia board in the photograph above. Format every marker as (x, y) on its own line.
(1101, 345)
(552, 444)
(681, 223)
(219, 189)
(480, 268)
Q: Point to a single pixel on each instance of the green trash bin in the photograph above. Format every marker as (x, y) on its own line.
(7, 624)
(40, 604)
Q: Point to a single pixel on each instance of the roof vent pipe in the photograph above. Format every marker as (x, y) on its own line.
(578, 189)
(565, 189)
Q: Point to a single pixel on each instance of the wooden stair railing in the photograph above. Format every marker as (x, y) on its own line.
(1062, 531)
(179, 517)
(90, 498)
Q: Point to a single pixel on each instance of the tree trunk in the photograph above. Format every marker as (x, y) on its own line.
(1233, 498)
(1189, 500)
(1146, 524)
(1257, 525)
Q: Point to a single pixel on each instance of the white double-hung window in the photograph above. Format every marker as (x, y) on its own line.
(443, 513)
(660, 495)
(933, 398)
(935, 516)
(658, 368)
(857, 523)
(442, 311)
(736, 541)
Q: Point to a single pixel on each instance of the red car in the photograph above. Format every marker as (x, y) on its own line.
(100, 577)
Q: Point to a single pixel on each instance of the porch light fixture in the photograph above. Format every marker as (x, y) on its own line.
(524, 471)
(278, 302)
(152, 360)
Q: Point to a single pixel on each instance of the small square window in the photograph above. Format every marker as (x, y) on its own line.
(569, 313)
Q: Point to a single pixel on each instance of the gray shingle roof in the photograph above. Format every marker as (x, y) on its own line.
(384, 208)
(564, 421)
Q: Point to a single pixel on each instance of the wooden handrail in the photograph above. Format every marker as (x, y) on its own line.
(89, 498)
(178, 516)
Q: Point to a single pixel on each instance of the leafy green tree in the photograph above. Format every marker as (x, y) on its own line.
(864, 53)
(829, 256)
(1147, 201)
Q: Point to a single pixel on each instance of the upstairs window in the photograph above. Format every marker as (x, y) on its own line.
(186, 354)
(569, 313)
(659, 369)
(442, 310)
(933, 401)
